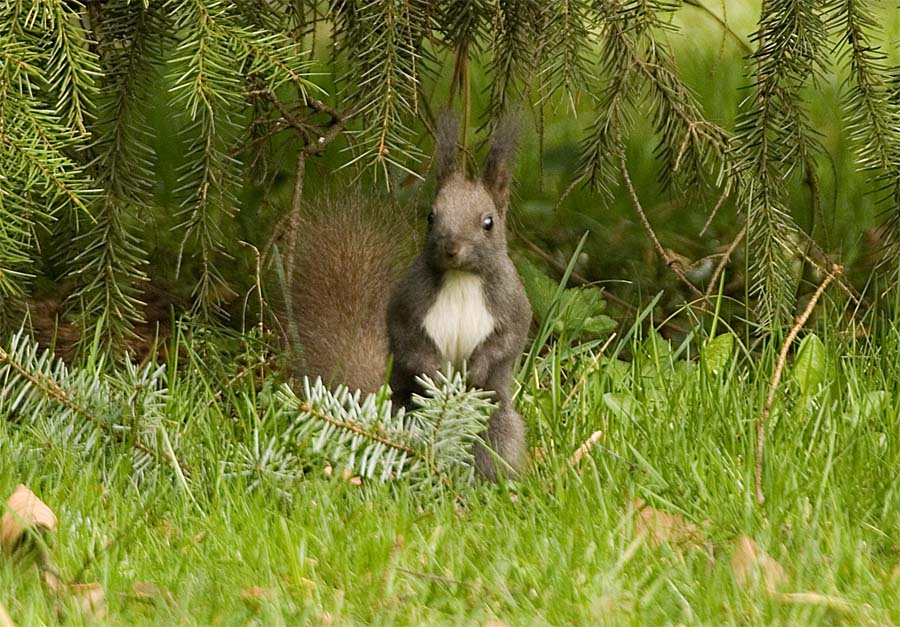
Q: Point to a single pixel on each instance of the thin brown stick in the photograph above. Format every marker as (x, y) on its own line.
(712, 214)
(825, 261)
(295, 218)
(670, 260)
(836, 270)
(317, 139)
(721, 20)
(714, 279)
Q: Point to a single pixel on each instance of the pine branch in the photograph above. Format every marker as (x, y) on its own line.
(209, 89)
(773, 136)
(107, 257)
(567, 44)
(84, 408)
(692, 149)
(212, 91)
(872, 116)
(431, 443)
(603, 145)
(382, 45)
(38, 177)
(512, 64)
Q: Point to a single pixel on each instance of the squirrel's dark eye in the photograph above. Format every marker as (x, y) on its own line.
(431, 217)
(488, 223)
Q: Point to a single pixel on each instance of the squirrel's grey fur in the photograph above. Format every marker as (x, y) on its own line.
(458, 242)
(351, 307)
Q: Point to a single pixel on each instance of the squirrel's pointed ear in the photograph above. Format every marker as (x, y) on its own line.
(497, 169)
(446, 135)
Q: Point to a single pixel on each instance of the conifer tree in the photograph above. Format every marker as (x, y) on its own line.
(78, 175)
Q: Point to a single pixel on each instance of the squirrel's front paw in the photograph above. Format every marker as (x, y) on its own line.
(506, 438)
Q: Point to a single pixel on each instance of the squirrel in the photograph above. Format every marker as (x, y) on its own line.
(461, 301)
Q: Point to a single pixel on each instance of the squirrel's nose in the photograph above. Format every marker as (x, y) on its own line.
(451, 249)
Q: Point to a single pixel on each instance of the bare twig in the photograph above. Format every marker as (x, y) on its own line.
(836, 270)
(722, 22)
(823, 262)
(317, 139)
(714, 279)
(670, 260)
(722, 198)
(295, 218)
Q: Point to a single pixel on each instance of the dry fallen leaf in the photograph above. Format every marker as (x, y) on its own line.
(91, 599)
(5, 620)
(24, 510)
(255, 594)
(53, 582)
(537, 455)
(146, 591)
(495, 623)
(585, 448)
(751, 564)
(814, 598)
(663, 528)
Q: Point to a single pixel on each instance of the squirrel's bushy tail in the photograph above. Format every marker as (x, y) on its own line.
(348, 254)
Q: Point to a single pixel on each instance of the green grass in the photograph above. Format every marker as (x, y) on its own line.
(555, 548)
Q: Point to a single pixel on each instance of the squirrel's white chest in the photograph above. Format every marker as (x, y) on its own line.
(459, 318)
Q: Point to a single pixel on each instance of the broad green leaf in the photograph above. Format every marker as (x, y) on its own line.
(657, 347)
(579, 311)
(809, 367)
(599, 325)
(717, 353)
(621, 404)
(539, 288)
(869, 404)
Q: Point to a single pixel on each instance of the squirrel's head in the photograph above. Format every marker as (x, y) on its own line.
(467, 222)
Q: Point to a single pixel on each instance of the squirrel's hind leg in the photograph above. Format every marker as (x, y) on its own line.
(506, 436)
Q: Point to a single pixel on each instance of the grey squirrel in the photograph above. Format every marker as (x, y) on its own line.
(460, 301)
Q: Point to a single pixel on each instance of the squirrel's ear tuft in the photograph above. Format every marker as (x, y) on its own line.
(446, 135)
(497, 169)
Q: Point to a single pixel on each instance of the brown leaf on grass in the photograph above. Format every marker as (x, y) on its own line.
(53, 582)
(91, 599)
(495, 623)
(663, 528)
(585, 448)
(5, 620)
(814, 598)
(24, 511)
(537, 455)
(255, 594)
(751, 564)
(150, 592)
